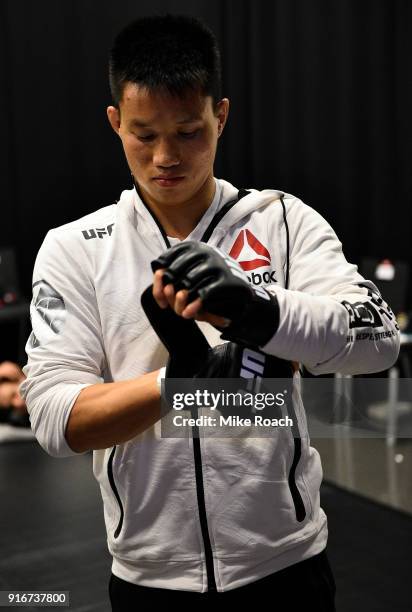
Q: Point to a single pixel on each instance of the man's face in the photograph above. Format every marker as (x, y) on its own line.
(169, 142)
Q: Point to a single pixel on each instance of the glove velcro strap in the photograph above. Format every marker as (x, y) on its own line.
(258, 323)
(232, 360)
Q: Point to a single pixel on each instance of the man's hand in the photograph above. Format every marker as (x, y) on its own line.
(200, 281)
(165, 295)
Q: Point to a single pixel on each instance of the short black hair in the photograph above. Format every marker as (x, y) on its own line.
(174, 53)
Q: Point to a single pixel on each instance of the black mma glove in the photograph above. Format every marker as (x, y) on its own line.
(208, 273)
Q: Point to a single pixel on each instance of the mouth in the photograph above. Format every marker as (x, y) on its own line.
(168, 181)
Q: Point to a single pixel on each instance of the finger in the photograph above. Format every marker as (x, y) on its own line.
(169, 292)
(215, 320)
(158, 289)
(192, 309)
(181, 301)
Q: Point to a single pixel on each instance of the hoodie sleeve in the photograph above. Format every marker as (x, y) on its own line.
(331, 318)
(65, 352)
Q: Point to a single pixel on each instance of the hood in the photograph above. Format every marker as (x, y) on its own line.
(131, 203)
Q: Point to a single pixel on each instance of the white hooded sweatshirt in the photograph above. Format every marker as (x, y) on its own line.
(217, 513)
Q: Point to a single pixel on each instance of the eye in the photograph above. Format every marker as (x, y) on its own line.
(188, 134)
(145, 138)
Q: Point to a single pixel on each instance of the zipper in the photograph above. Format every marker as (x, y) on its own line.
(285, 370)
(300, 510)
(115, 491)
(296, 496)
(210, 570)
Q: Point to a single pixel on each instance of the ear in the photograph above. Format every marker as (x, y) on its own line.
(222, 113)
(113, 114)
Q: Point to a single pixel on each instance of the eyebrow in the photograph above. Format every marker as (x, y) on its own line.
(142, 124)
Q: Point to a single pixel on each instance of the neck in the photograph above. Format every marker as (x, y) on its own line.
(179, 219)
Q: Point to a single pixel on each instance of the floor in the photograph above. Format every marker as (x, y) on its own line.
(53, 535)
(53, 528)
(370, 467)
(362, 427)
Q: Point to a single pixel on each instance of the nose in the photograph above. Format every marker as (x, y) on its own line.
(166, 154)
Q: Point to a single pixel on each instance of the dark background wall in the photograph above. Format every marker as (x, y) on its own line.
(321, 99)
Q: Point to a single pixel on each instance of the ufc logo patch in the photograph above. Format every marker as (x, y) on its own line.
(253, 366)
(98, 232)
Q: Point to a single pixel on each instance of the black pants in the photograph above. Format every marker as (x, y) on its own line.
(305, 585)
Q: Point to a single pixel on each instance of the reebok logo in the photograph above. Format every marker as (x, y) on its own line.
(98, 232)
(257, 278)
(250, 253)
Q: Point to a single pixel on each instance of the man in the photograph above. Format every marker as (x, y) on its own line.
(10, 377)
(207, 518)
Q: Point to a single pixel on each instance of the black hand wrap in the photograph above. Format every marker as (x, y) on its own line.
(208, 273)
(190, 355)
(185, 343)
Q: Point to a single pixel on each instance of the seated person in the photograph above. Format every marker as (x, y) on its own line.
(13, 410)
